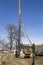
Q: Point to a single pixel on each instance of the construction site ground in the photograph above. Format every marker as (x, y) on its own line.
(9, 59)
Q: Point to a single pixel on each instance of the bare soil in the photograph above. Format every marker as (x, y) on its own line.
(9, 59)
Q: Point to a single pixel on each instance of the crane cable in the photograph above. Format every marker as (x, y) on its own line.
(26, 34)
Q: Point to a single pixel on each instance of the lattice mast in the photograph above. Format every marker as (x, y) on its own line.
(19, 26)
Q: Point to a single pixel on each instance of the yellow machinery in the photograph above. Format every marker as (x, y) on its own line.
(28, 51)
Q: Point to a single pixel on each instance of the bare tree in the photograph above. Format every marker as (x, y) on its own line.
(11, 29)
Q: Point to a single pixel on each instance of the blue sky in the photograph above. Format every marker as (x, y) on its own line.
(32, 17)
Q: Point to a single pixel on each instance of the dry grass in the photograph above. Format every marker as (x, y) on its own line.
(39, 60)
(9, 59)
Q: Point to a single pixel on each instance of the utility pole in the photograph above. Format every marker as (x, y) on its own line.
(19, 27)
